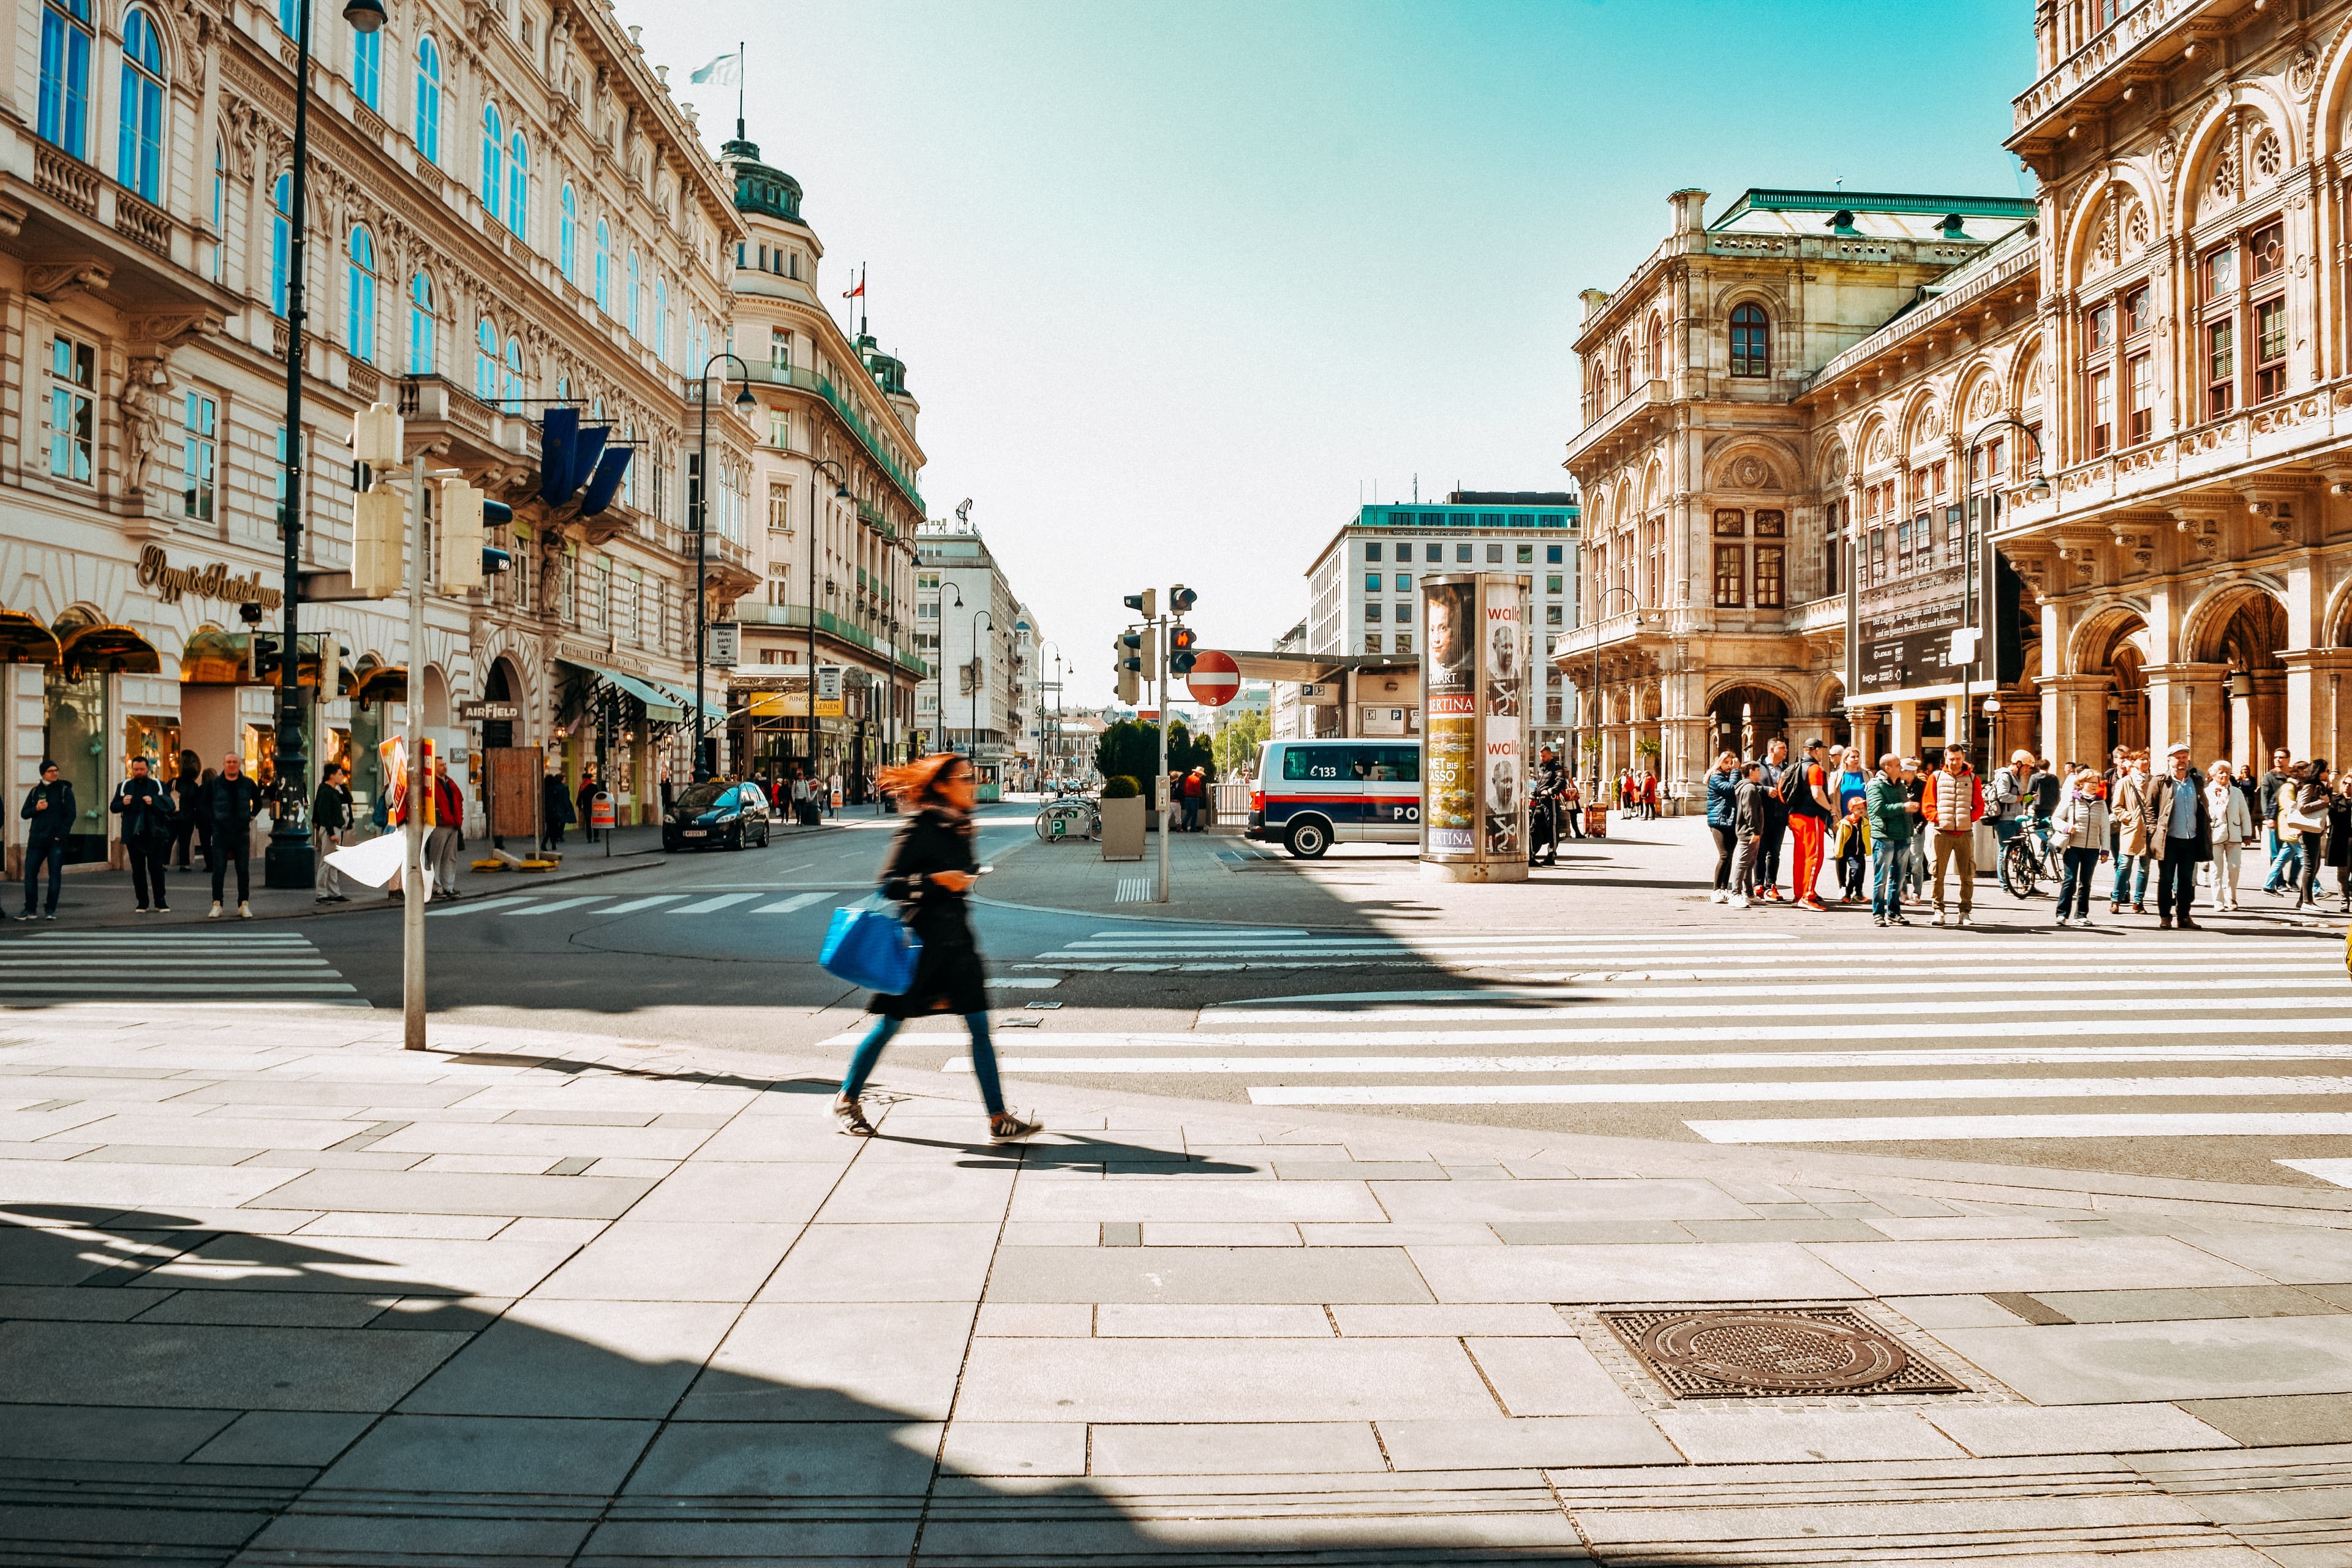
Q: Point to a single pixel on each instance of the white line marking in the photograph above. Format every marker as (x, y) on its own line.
(2035, 1006)
(2336, 1171)
(504, 900)
(1891, 1088)
(1023, 981)
(173, 988)
(786, 906)
(1668, 967)
(1712, 1062)
(635, 904)
(705, 905)
(559, 904)
(1951, 1128)
(1479, 1004)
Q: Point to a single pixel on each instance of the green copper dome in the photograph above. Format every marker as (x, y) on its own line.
(758, 187)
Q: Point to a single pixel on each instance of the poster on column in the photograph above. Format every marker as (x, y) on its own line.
(1449, 726)
(1503, 626)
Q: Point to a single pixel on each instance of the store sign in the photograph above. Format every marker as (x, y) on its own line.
(828, 691)
(472, 713)
(1915, 593)
(1383, 721)
(726, 647)
(213, 581)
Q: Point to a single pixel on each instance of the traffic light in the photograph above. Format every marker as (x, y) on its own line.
(1181, 599)
(261, 658)
(1146, 605)
(1130, 686)
(377, 522)
(1150, 650)
(1130, 651)
(1180, 642)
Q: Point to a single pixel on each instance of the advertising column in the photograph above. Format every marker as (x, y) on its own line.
(1472, 676)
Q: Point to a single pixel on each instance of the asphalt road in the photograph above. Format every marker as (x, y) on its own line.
(2214, 1055)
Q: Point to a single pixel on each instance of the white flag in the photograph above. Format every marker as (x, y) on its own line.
(726, 70)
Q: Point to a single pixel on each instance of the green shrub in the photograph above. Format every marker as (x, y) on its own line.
(1121, 786)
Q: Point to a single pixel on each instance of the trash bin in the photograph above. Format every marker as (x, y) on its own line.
(1596, 822)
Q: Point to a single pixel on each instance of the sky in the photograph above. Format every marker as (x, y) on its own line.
(1178, 285)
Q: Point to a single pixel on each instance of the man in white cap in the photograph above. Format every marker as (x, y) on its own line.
(2180, 832)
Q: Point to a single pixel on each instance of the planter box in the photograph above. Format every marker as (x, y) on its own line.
(1122, 828)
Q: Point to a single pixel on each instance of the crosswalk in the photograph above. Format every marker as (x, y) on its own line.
(526, 906)
(175, 969)
(1769, 1037)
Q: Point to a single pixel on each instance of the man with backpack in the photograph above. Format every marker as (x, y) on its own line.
(1804, 794)
(2005, 798)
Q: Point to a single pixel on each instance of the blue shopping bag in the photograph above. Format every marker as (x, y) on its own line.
(871, 949)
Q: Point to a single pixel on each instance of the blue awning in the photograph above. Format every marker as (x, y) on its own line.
(661, 707)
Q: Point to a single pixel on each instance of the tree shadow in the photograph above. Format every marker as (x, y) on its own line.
(178, 1392)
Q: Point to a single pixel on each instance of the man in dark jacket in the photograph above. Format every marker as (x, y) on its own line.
(49, 807)
(1722, 804)
(331, 818)
(2179, 821)
(1750, 820)
(1775, 822)
(230, 804)
(146, 811)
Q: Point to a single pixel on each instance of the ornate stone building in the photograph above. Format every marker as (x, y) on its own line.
(2116, 439)
(506, 209)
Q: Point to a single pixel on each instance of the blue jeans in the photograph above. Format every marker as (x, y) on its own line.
(2075, 889)
(51, 852)
(2286, 863)
(2270, 882)
(983, 1059)
(2131, 880)
(1887, 858)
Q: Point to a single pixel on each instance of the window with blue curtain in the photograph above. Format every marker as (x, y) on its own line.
(138, 151)
(485, 360)
(367, 68)
(494, 158)
(514, 375)
(289, 17)
(604, 267)
(519, 186)
(281, 239)
(421, 325)
(428, 99)
(64, 118)
(359, 298)
(568, 241)
(636, 279)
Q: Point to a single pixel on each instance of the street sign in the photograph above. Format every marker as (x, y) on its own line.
(828, 690)
(476, 712)
(1319, 693)
(726, 643)
(1215, 679)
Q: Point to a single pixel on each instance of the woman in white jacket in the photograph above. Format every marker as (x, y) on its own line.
(2080, 826)
(2234, 825)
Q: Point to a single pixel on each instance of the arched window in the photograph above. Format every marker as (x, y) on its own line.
(359, 301)
(428, 99)
(605, 265)
(220, 212)
(519, 186)
(367, 68)
(138, 149)
(637, 281)
(662, 349)
(494, 158)
(423, 329)
(568, 241)
(281, 239)
(514, 375)
(1751, 343)
(65, 75)
(485, 360)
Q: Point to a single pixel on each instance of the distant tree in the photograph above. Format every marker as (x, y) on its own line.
(1238, 740)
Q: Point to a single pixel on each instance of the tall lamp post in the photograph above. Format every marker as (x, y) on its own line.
(973, 752)
(744, 404)
(290, 861)
(1977, 562)
(840, 492)
(1049, 742)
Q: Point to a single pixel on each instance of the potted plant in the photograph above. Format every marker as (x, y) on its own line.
(1123, 817)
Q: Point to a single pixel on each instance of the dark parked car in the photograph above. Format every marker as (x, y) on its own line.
(717, 812)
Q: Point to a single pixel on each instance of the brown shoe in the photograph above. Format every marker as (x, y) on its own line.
(2185, 923)
(2164, 922)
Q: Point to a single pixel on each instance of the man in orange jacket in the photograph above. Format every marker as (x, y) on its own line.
(1952, 803)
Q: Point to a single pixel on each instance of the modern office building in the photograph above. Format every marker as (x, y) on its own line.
(969, 627)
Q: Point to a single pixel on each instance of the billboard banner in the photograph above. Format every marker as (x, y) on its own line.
(1474, 695)
(1913, 597)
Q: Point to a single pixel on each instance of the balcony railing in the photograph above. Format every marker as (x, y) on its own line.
(832, 626)
(70, 180)
(2099, 57)
(1645, 396)
(806, 380)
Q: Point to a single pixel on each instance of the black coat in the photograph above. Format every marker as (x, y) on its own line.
(554, 802)
(230, 804)
(948, 976)
(145, 808)
(57, 819)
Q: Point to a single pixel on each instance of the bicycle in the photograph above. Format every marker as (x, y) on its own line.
(1070, 816)
(2030, 858)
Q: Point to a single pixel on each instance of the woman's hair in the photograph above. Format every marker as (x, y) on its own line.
(917, 783)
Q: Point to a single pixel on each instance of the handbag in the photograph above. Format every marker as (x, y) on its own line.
(2303, 821)
(871, 949)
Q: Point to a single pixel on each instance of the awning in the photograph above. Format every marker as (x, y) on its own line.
(712, 712)
(662, 707)
(380, 683)
(91, 650)
(24, 640)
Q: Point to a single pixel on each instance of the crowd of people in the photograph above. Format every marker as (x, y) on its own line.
(1903, 834)
(1637, 793)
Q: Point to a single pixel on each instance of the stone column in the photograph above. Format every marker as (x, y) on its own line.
(2184, 703)
(2075, 719)
(1904, 739)
(1864, 722)
(2258, 705)
(2317, 699)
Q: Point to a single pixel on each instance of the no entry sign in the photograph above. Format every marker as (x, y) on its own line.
(1216, 678)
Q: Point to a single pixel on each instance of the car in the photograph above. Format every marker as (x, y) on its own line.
(1309, 795)
(716, 814)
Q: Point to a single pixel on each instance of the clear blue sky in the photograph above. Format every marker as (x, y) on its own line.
(1176, 284)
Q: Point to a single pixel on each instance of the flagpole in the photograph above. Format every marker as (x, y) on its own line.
(740, 72)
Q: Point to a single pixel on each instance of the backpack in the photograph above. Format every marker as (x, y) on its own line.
(2005, 793)
(1789, 787)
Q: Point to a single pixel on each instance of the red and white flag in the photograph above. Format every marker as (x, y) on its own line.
(854, 293)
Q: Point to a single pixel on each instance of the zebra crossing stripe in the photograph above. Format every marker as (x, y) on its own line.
(1710, 1061)
(1954, 1129)
(705, 905)
(558, 904)
(1893, 1088)
(635, 904)
(786, 906)
(2339, 1171)
(504, 900)
(1273, 1011)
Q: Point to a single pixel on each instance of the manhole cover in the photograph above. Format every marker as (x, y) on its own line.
(1741, 1352)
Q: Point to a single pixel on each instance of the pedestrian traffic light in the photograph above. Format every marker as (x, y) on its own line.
(1180, 642)
(1130, 686)
(1150, 650)
(460, 538)
(378, 521)
(261, 657)
(1130, 651)
(1181, 599)
(1146, 604)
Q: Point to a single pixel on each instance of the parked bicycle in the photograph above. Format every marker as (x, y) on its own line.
(2030, 859)
(1070, 816)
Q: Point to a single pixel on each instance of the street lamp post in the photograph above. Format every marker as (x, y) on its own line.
(840, 492)
(1977, 562)
(1048, 742)
(744, 404)
(291, 860)
(975, 750)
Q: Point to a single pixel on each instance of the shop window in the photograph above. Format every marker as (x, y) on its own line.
(73, 408)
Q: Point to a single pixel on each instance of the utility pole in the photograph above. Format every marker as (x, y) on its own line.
(412, 851)
(1166, 800)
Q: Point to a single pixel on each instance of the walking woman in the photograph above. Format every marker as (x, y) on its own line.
(2080, 824)
(932, 869)
(2311, 797)
(2338, 852)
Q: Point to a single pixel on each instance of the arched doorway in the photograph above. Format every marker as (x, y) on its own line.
(2253, 706)
(2126, 699)
(1745, 720)
(501, 686)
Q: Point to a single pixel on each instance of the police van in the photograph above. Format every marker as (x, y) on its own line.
(1309, 795)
